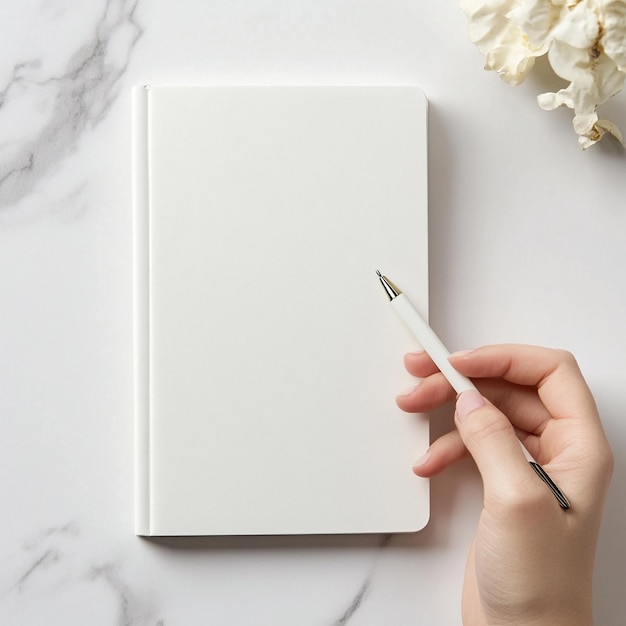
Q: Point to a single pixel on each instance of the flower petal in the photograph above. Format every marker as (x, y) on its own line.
(590, 130)
(537, 19)
(613, 39)
(506, 48)
(586, 45)
(579, 27)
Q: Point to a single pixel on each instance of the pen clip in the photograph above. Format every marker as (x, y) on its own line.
(558, 494)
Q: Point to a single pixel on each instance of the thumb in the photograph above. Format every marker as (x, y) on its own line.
(490, 438)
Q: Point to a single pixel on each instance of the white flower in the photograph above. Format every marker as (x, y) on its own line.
(585, 41)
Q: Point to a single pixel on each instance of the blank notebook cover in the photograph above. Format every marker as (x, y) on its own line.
(267, 355)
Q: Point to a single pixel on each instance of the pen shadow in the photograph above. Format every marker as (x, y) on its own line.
(444, 499)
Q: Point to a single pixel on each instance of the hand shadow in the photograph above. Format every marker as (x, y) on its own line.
(610, 569)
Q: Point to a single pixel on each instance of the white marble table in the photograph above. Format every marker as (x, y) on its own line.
(527, 244)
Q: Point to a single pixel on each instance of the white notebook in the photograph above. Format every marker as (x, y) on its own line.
(267, 355)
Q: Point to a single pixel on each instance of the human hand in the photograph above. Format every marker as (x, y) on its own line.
(530, 563)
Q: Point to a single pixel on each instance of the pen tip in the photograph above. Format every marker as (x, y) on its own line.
(378, 272)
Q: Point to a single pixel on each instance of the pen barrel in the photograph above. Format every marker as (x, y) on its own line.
(430, 342)
(439, 354)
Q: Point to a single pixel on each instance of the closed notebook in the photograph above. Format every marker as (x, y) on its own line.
(267, 357)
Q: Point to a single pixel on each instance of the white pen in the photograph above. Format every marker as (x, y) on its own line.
(439, 354)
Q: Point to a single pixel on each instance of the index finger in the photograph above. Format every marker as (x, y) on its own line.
(554, 373)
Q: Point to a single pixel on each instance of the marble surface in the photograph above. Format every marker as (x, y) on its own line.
(527, 244)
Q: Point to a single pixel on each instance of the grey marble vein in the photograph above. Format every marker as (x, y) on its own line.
(70, 529)
(47, 558)
(55, 558)
(81, 95)
(46, 555)
(355, 604)
(357, 601)
(18, 75)
(132, 610)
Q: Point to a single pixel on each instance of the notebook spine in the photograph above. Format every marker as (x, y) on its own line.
(141, 321)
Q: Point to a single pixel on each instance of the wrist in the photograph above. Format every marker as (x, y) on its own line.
(566, 618)
(561, 620)
(567, 614)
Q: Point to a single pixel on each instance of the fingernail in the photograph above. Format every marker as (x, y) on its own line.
(460, 353)
(467, 402)
(410, 390)
(416, 353)
(422, 460)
